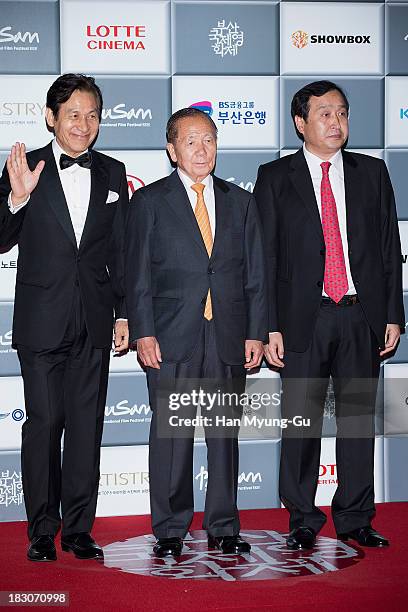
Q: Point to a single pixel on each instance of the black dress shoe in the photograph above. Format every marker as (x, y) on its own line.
(229, 545)
(82, 545)
(365, 536)
(167, 547)
(42, 548)
(301, 537)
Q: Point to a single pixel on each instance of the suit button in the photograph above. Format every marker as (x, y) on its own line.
(319, 283)
(350, 251)
(356, 283)
(322, 252)
(77, 283)
(211, 270)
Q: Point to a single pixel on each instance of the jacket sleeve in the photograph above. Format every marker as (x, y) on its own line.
(116, 256)
(391, 252)
(255, 284)
(264, 197)
(10, 225)
(139, 232)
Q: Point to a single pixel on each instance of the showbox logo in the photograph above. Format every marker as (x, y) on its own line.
(116, 37)
(300, 39)
(403, 113)
(227, 38)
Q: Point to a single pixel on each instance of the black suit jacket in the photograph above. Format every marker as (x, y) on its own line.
(295, 246)
(168, 271)
(50, 264)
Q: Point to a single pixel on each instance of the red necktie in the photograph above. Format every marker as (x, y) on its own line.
(335, 277)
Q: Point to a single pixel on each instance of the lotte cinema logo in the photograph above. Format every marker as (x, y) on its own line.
(116, 37)
(300, 39)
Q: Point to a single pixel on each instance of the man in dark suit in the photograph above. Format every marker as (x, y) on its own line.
(196, 301)
(64, 205)
(335, 297)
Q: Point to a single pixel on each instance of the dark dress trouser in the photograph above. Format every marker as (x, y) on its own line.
(65, 392)
(171, 455)
(344, 347)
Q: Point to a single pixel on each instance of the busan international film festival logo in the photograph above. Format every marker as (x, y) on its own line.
(301, 39)
(233, 112)
(122, 116)
(248, 481)
(5, 345)
(14, 40)
(11, 489)
(227, 38)
(269, 558)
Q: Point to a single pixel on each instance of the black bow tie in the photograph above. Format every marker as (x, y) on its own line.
(84, 160)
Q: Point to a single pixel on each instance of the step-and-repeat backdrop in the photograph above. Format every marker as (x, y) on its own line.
(241, 62)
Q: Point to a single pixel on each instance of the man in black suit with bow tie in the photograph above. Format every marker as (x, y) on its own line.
(196, 301)
(64, 205)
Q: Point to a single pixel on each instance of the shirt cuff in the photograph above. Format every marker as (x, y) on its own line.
(121, 320)
(15, 209)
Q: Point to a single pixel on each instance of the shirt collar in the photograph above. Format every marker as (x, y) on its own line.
(313, 161)
(187, 182)
(58, 151)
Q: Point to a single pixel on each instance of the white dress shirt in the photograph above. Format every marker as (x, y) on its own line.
(336, 176)
(208, 194)
(76, 184)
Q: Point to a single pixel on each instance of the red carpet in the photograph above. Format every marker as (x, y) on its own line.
(378, 581)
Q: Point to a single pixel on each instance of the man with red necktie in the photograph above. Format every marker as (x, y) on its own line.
(335, 307)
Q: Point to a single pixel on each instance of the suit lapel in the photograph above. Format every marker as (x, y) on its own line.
(302, 181)
(99, 190)
(222, 216)
(352, 188)
(55, 194)
(177, 198)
